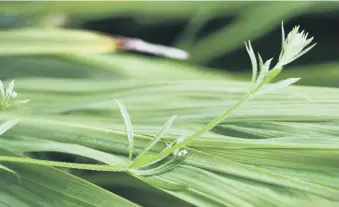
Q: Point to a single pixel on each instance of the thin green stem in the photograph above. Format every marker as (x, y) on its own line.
(94, 167)
(211, 124)
(200, 132)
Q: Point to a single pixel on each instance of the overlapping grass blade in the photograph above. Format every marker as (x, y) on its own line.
(53, 41)
(290, 140)
(45, 186)
(279, 149)
(252, 23)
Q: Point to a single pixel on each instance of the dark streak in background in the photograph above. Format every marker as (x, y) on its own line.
(325, 29)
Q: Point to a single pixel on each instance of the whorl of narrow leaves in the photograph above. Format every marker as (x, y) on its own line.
(7, 96)
(292, 47)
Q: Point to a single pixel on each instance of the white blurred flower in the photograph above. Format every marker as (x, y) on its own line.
(294, 45)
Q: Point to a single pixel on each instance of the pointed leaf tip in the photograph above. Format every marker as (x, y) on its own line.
(128, 127)
(278, 85)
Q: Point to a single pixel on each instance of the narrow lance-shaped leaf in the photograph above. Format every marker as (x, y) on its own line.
(159, 169)
(264, 70)
(10, 88)
(278, 85)
(129, 129)
(162, 184)
(8, 125)
(4, 168)
(303, 52)
(149, 159)
(261, 72)
(282, 40)
(253, 60)
(154, 141)
(20, 102)
(2, 90)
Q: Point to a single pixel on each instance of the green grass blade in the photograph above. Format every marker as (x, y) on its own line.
(47, 186)
(162, 184)
(96, 167)
(53, 41)
(252, 23)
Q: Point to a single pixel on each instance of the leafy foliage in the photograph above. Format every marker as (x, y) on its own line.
(276, 149)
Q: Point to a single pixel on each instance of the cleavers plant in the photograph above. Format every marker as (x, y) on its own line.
(293, 46)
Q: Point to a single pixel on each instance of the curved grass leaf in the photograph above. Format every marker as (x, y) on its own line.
(4, 168)
(8, 125)
(80, 10)
(159, 169)
(114, 168)
(162, 184)
(252, 165)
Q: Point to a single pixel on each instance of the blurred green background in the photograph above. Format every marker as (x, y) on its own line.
(212, 32)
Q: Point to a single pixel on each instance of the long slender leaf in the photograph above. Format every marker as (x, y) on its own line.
(46, 186)
(278, 85)
(53, 41)
(4, 168)
(129, 129)
(154, 141)
(8, 125)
